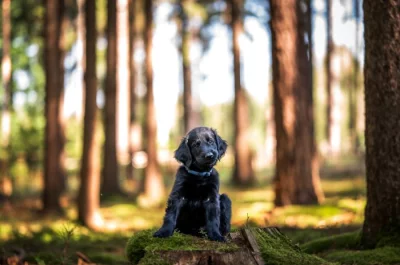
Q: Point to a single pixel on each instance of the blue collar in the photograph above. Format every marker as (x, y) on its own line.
(199, 174)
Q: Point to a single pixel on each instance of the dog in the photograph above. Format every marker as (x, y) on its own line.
(194, 204)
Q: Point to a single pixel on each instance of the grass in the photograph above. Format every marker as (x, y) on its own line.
(59, 245)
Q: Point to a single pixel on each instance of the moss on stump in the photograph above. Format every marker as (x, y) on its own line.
(245, 247)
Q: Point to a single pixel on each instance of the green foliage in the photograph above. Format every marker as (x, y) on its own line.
(27, 129)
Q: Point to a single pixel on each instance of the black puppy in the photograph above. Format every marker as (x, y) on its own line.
(195, 203)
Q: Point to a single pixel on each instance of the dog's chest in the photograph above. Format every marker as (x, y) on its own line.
(197, 191)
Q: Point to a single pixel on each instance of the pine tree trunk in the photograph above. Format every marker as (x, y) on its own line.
(333, 90)
(88, 202)
(123, 82)
(188, 118)
(297, 170)
(132, 148)
(6, 73)
(382, 97)
(53, 177)
(328, 72)
(243, 172)
(153, 186)
(82, 62)
(61, 129)
(354, 91)
(270, 142)
(110, 184)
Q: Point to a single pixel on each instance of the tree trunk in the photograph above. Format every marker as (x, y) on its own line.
(153, 186)
(382, 95)
(188, 115)
(61, 129)
(132, 147)
(270, 142)
(243, 172)
(88, 202)
(53, 176)
(354, 91)
(6, 73)
(110, 184)
(333, 91)
(82, 62)
(123, 81)
(297, 170)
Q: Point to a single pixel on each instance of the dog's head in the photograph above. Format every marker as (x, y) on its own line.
(202, 147)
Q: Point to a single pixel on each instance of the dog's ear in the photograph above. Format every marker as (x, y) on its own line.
(182, 154)
(221, 144)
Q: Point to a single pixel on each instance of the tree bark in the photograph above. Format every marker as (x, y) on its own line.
(53, 176)
(153, 182)
(61, 129)
(188, 115)
(354, 91)
(328, 72)
(382, 97)
(297, 169)
(333, 90)
(243, 172)
(6, 73)
(88, 201)
(110, 184)
(123, 81)
(82, 62)
(132, 147)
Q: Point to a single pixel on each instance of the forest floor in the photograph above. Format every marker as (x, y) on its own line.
(56, 240)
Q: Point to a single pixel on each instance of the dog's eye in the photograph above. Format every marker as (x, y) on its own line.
(210, 141)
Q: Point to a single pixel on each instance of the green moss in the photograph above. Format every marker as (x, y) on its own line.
(347, 240)
(344, 249)
(389, 241)
(143, 243)
(153, 259)
(377, 256)
(277, 249)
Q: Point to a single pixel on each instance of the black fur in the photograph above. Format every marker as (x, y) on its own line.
(195, 203)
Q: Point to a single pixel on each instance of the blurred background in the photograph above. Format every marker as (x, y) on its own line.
(154, 70)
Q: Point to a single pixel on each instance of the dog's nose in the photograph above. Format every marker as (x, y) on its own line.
(209, 155)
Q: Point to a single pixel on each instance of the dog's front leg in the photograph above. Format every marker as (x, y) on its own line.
(171, 214)
(213, 219)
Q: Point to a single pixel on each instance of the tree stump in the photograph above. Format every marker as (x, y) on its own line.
(248, 246)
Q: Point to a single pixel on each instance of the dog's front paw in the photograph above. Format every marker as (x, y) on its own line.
(162, 232)
(216, 237)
